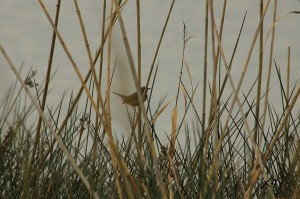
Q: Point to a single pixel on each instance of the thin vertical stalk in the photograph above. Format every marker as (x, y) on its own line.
(261, 35)
(269, 71)
(108, 123)
(100, 76)
(258, 91)
(175, 111)
(205, 69)
(87, 48)
(286, 150)
(102, 43)
(159, 43)
(182, 61)
(203, 165)
(288, 73)
(231, 60)
(48, 74)
(139, 116)
(214, 105)
(221, 27)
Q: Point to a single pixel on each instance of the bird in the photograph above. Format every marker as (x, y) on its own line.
(132, 99)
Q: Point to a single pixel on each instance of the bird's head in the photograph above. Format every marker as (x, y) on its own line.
(144, 88)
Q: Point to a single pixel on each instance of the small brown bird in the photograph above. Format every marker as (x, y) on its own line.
(133, 98)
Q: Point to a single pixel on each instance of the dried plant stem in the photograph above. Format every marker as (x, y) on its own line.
(139, 52)
(232, 58)
(260, 66)
(175, 111)
(269, 71)
(88, 49)
(205, 69)
(45, 93)
(204, 134)
(214, 105)
(221, 26)
(117, 182)
(100, 77)
(258, 91)
(286, 150)
(159, 43)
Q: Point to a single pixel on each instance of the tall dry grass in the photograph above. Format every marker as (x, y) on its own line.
(77, 156)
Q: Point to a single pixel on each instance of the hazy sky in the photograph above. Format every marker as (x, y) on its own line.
(26, 34)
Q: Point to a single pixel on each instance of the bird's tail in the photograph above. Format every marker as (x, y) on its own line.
(122, 96)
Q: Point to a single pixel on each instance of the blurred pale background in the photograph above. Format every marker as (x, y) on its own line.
(26, 35)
